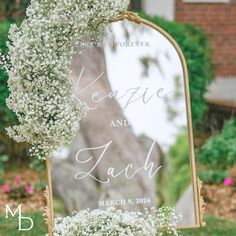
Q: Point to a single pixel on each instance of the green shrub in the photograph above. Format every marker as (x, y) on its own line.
(12, 149)
(7, 117)
(197, 51)
(13, 11)
(212, 176)
(219, 153)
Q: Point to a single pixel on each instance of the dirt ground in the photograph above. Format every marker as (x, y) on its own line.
(221, 201)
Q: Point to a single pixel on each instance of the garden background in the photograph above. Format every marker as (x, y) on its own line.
(22, 179)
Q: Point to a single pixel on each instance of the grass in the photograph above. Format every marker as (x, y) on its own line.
(9, 227)
(215, 227)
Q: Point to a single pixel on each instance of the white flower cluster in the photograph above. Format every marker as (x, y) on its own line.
(114, 222)
(40, 53)
(4, 62)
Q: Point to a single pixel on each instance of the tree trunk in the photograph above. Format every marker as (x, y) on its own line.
(125, 149)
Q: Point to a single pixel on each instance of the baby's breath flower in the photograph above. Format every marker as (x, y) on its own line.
(113, 222)
(38, 66)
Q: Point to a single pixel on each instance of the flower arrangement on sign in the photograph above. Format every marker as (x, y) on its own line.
(115, 222)
(38, 66)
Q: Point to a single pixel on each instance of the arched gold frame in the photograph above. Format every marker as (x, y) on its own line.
(197, 185)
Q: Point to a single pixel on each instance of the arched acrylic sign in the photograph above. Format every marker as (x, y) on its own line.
(136, 86)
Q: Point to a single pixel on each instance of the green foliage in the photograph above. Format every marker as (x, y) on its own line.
(180, 168)
(197, 51)
(218, 153)
(13, 10)
(212, 176)
(3, 159)
(36, 164)
(7, 117)
(40, 185)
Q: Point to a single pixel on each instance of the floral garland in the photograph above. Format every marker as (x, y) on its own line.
(38, 66)
(113, 222)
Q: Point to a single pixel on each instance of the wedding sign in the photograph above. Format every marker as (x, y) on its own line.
(134, 83)
(102, 96)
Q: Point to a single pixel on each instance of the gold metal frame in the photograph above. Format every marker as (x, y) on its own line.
(48, 211)
(197, 185)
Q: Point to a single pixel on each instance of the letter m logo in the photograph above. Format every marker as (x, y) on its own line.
(20, 217)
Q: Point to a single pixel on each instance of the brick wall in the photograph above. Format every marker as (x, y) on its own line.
(219, 21)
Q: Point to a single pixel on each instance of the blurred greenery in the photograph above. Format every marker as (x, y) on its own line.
(3, 159)
(170, 102)
(40, 185)
(11, 11)
(9, 227)
(59, 207)
(36, 164)
(179, 177)
(7, 117)
(209, 176)
(12, 149)
(197, 51)
(218, 154)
